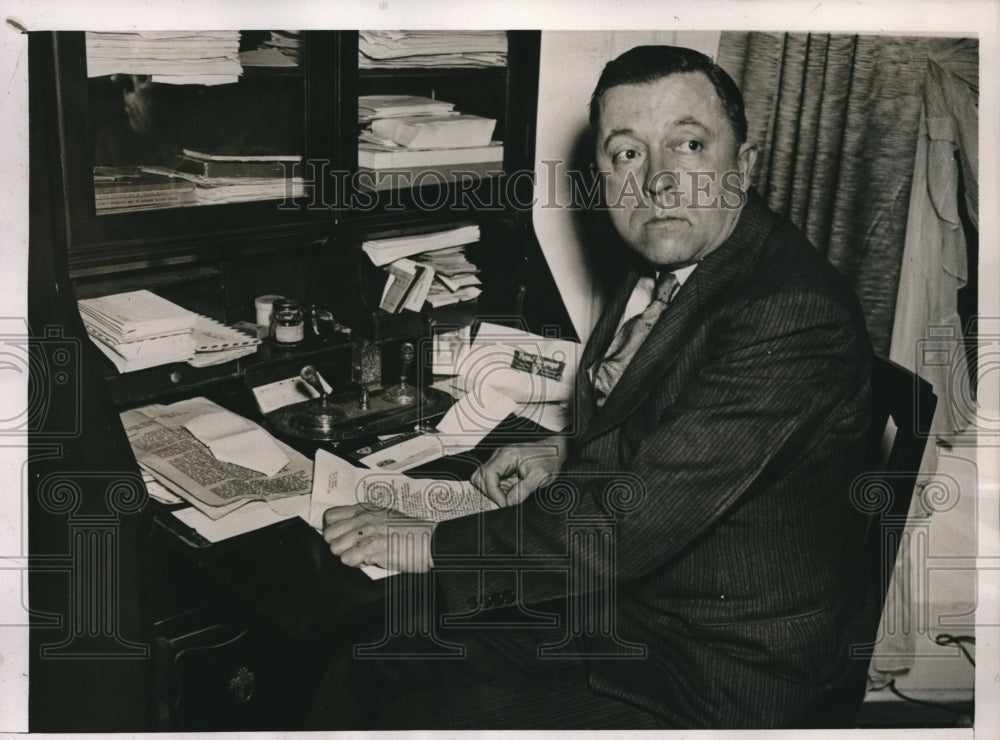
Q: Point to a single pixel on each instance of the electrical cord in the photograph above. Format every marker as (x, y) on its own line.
(941, 639)
(891, 685)
(944, 639)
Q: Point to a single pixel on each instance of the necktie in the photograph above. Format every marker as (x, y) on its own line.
(630, 337)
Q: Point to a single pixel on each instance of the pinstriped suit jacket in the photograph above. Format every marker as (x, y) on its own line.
(742, 418)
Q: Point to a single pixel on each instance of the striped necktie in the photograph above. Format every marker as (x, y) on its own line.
(630, 336)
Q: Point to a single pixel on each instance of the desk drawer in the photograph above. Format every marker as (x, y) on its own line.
(219, 674)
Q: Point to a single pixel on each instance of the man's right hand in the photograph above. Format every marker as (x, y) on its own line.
(516, 471)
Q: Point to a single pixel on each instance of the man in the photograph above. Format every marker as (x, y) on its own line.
(727, 386)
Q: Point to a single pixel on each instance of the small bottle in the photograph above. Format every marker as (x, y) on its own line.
(263, 305)
(287, 327)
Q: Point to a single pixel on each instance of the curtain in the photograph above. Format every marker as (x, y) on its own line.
(835, 118)
(864, 142)
(927, 336)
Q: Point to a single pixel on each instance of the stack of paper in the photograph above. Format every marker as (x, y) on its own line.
(283, 49)
(412, 135)
(392, 106)
(139, 329)
(456, 279)
(395, 49)
(215, 460)
(436, 132)
(383, 251)
(215, 343)
(212, 190)
(173, 57)
(439, 272)
(121, 189)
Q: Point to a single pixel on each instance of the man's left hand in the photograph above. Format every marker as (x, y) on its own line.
(359, 535)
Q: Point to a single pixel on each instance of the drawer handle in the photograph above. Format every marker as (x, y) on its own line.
(242, 685)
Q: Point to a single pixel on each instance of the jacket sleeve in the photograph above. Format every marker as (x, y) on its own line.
(780, 370)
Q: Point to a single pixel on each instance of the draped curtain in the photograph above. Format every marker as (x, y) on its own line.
(835, 118)
(864, 142)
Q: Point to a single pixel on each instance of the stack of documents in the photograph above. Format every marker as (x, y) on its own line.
(438, 273)
(398, 49)
(383, 251)
(283, 49)
(139, 329)
(236, 189)
(414, 135)
(435, 132)
(122, 189)
(456, 278)
(215, 343)
(173, 57)
(216, 460)
(393, 106)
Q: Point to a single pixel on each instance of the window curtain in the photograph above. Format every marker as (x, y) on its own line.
(835, 119)
(864, 143)
(927, 335)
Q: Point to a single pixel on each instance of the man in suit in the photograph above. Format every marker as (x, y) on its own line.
(725, 389)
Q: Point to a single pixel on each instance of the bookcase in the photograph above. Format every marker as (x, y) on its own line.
(215, 259)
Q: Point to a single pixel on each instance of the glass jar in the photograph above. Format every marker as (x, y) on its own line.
(319, 322)
(287, 327)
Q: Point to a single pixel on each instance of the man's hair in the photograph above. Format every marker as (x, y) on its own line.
(650, 63)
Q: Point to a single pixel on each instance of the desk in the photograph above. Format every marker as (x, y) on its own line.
(242, 628)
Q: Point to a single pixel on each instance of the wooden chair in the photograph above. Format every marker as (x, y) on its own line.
(902, 409)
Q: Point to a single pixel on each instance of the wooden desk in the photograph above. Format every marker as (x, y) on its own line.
(243, 628)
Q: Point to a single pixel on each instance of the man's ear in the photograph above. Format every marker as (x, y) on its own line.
(746, 158)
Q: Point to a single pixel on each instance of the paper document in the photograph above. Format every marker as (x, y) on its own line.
(255, 515)
(163, 446)
(233, 439)
(285, 392)
(406, 454)
(472, 417)
(554, 416)
(337, 482)
(157, 490)
(527, 367)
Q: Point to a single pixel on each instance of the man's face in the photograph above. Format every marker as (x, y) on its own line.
(673, 168)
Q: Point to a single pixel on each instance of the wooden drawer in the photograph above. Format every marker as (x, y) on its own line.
(215, 673)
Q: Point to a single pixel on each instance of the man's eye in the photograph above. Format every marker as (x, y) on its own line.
(691, 145)
(625, 156)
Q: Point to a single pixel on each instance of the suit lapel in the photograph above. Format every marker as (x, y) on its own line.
(704, 289)
(600, 339)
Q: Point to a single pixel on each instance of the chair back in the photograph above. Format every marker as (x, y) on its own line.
(902, 407)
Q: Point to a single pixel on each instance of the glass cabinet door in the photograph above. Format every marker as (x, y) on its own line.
(181, 147)
(180, 119)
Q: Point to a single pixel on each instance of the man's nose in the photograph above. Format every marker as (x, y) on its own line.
(661, 177)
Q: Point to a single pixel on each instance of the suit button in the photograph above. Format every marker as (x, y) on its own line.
(472, 602)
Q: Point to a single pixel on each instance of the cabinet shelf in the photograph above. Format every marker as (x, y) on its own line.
(424, 72)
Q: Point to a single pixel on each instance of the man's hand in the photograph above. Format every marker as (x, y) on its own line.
(359, 535)
(516, 471)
